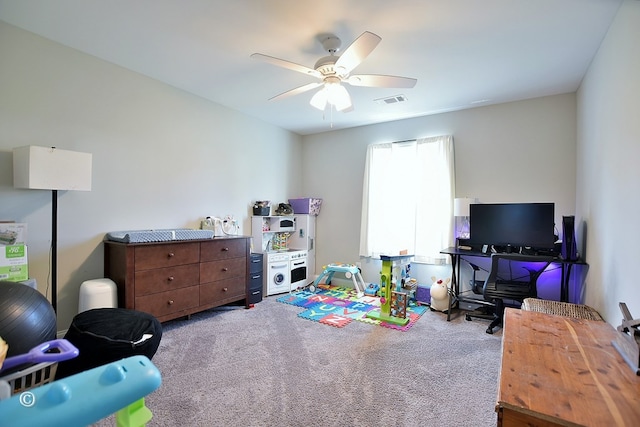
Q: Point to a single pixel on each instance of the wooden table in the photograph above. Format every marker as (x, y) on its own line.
(561, 371)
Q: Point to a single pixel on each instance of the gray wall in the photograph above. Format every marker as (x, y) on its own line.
(608, 195)
(162, 158)
(515, 152)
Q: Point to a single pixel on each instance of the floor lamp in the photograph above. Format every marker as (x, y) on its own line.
(49, 168)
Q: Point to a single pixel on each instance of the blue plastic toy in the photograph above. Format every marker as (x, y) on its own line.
(350, 271)
(372, 289)
(84, 398)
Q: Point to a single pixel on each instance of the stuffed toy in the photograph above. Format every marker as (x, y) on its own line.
(440, 294)
(284, 209)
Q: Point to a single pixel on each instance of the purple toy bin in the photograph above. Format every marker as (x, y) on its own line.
(423, 294)
(306, 205)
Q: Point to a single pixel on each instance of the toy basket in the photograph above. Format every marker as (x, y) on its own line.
(44, 360)
(31, 377)
(306, 205)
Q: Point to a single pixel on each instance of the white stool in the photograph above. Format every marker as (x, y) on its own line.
(97, 293)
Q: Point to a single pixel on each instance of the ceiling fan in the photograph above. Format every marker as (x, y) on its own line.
(333, 70)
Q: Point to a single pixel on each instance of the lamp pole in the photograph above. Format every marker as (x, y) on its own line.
(54, 250)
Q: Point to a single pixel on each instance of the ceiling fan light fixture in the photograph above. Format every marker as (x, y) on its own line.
(333, 93)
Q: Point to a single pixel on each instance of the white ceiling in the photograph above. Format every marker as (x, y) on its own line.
(464, 53)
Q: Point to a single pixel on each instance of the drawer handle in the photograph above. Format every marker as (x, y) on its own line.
(225, 269)
(171, 255)
(170, 302)
(257, 276)
(225, 249)
(225, 289)
(170, 278)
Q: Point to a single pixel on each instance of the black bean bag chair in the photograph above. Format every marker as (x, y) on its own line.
(105, 335)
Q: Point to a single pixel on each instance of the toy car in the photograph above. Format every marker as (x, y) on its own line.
(372, 289)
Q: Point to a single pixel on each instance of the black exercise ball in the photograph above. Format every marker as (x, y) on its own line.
(26, 318)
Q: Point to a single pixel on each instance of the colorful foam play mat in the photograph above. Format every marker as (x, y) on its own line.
(337, 306)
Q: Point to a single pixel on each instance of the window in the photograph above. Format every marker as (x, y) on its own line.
(407, 199)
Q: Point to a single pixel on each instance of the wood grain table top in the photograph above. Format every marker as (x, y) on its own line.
(565, 371)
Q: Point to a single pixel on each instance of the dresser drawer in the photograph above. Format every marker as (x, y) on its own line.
(255, 296)
(222, 290)
(255, 263)
(223, 269)
(157, 256)
(255, 280)
(164, 303)
(223, 249)
(166, 279)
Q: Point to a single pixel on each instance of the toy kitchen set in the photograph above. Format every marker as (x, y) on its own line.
(287, 241)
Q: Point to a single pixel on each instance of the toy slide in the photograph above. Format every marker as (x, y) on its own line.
(82, 399)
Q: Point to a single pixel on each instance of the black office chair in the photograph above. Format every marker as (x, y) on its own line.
(513, 277)
(485, 308)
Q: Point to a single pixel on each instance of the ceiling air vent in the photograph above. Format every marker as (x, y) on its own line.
(391, 100)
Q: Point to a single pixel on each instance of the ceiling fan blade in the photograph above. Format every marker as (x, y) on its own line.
(286, 64)
(356, 52)
(377, 80)
(296, 91)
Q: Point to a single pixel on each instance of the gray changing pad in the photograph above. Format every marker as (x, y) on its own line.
(144, 236)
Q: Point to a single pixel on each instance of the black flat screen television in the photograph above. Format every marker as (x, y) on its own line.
(516, 224)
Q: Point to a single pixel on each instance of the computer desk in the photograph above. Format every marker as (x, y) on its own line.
(457, 255)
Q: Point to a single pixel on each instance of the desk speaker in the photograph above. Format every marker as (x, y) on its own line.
(569, 249)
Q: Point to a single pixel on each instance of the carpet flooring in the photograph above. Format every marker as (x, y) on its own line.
(265, 366)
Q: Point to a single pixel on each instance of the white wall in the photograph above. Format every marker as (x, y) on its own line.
(162, 158)
(608, 195)
(516, 152)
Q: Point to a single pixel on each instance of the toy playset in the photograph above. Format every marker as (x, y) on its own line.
(350, 271)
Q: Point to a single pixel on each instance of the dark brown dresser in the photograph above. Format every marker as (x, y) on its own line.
(179, 278)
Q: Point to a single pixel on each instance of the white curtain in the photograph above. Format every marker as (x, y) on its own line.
(407, 199)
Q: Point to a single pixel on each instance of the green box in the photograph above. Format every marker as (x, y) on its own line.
(13, 263)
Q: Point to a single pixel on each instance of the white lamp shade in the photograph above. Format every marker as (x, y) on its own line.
(333, 93)
(319, 100)
(47, 168)
(461, 206)
(339, 97)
